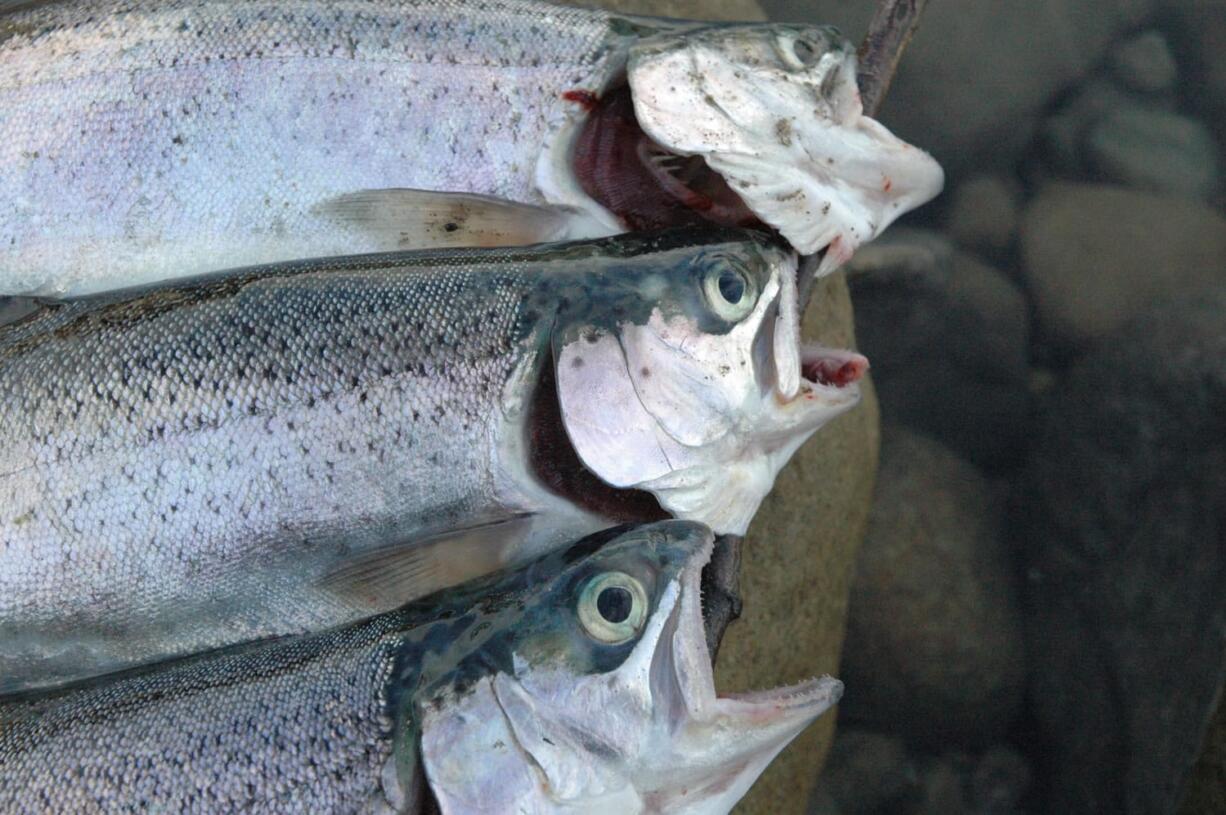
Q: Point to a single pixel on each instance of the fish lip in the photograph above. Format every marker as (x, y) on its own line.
(797, 703)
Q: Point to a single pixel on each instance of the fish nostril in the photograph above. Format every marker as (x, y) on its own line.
(804, 51)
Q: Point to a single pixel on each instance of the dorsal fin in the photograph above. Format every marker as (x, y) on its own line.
(14, 310)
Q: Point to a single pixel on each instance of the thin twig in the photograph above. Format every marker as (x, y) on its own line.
(892, 27)
(888, 34)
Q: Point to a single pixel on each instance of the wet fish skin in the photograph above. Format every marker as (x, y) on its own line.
(168, 132)
(340, 721)
(285, 449)
(158, 138)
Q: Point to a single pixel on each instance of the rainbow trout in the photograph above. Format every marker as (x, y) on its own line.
(284, 449)
(581, 683)
(147, 139)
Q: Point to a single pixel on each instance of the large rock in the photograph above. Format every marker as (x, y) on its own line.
(934, 639)
(1154, 150)
(976, 73)
(1094, 256)
(872, 773)
(797, 567)
(1145, 63)
(1122, 522)
(983, 215)
(1063, 135)
(948, 337)
(1206, 792)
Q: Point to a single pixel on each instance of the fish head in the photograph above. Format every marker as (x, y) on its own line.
(775, 110)
(609, 703)
(684, 376)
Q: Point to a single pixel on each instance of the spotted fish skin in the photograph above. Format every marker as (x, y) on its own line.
(141, 140)
(303, 727)
(145, 140)
(189, 467)
(323, 723)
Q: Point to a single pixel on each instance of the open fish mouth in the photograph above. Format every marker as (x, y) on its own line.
(720, 742)
(740, 125)
(795, 704)
(643, 184)
(831, 367)
(809, 370)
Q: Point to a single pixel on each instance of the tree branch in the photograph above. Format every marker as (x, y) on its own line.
(888, 34)
(891, 29)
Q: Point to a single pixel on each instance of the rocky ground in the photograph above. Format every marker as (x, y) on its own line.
(1038, 620)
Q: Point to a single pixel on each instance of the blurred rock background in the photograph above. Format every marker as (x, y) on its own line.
(1038, 619)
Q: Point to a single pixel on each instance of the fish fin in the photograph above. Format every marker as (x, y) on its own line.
(424, 219)
(17, 309)
(391, 576)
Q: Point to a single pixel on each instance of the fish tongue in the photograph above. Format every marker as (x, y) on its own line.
(834, 367)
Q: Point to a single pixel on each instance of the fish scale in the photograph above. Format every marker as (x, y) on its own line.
(174, 446)
(170, 128)
(489, 687)
(288, 448)
(161, 139)
(197, 738)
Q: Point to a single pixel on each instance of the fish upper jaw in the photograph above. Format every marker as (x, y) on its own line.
(775, 111)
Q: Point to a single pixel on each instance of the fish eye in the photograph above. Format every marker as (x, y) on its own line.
(613, 607)
(799, 52)
(730, 292)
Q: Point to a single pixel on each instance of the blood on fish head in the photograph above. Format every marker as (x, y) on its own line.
(774, 111)
(695, 387)
(609, 703)
(644, 185)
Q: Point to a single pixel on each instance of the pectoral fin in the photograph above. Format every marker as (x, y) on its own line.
(425, 219)
(391, 576)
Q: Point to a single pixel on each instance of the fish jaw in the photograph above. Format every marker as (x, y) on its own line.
(775, 110)
(711, 748)
(704, 421)
(652, 735)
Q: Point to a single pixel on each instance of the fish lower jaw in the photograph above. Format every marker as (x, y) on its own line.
(805, 700)
(832, 368)
(829, 377)
(792, 704)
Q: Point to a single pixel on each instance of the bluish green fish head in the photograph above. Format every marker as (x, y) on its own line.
(592, 690)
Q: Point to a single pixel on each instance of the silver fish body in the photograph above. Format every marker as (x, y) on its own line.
(345, 720)
(288, 448)
(160, 138)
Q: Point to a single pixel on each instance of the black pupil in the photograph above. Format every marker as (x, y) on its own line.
(614, 604)
(803, 50)
(732, 287)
